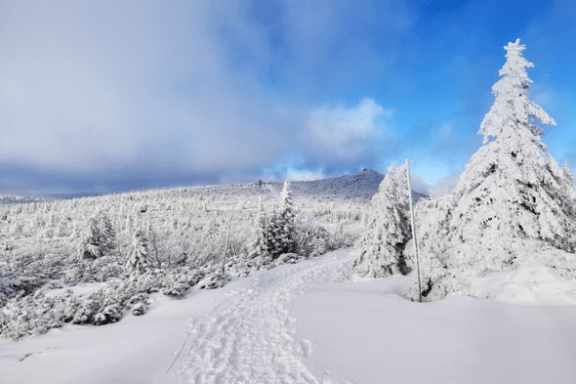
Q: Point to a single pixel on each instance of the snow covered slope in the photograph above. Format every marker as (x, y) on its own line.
(306, 323)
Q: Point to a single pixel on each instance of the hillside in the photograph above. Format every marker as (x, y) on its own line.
(359, 186)
(182, 232)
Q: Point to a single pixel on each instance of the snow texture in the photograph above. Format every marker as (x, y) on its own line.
(249, 338)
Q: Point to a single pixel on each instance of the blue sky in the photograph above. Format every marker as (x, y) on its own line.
(117, 95)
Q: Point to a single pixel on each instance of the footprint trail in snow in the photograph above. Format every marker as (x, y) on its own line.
(249, 338)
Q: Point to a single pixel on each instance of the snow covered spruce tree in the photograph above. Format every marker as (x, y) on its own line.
(388, 229)
(284, 221)
(280, 227)
(97, 239)
(258, 247)
(141, 257)
(513, 202)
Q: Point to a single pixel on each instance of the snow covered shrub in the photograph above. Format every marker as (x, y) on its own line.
(111, 314)
(342, 238)
(388, 231)
(28, 285)
(179, 280)
(68, 306)
(239, 265)
(139, 309)
(260, 262)
(30, 315)
(106, 268)
(36, 314)
(88, 309)
(148, 282)
(141, 258)
(319, 242)
(99, 270)
(437, 282)
(215, 279)
(8, 283)
(312, 240)
(79, 272)
(287, 258)
(138, 298)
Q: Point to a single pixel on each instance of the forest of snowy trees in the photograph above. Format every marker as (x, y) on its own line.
(134, 244)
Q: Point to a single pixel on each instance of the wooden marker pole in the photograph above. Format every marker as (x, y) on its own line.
(413, 230)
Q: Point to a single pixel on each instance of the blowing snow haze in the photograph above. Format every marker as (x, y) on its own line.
(110, 96)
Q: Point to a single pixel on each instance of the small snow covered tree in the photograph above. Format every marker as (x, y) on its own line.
(141, 258)
(108, 235)
(90, 241)
(382, 247)
(319, 241)
(258, 245)
(98, 238)
(281, 232)
(512, 201)
(276, 233)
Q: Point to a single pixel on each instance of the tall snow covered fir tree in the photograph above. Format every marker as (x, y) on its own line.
(388, 229)
(513, 203)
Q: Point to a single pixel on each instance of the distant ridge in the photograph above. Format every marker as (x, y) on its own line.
(11, 198)
(363, 184)
(360, 185)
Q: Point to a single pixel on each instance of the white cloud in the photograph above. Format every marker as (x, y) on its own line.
(188, 87)
(104, 84)
(443, 186)
(418, 184)
(293, 175)
(344, 132)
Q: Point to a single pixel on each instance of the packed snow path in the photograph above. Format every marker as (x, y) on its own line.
(249, 338)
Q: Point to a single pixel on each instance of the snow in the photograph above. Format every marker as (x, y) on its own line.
(134, 350)
(531, 283)
(365, 333)
(311, 323)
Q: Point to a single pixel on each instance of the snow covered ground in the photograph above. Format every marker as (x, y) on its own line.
(308, 323)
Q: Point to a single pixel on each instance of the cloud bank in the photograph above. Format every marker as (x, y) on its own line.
(111, 95)
(195, 90)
